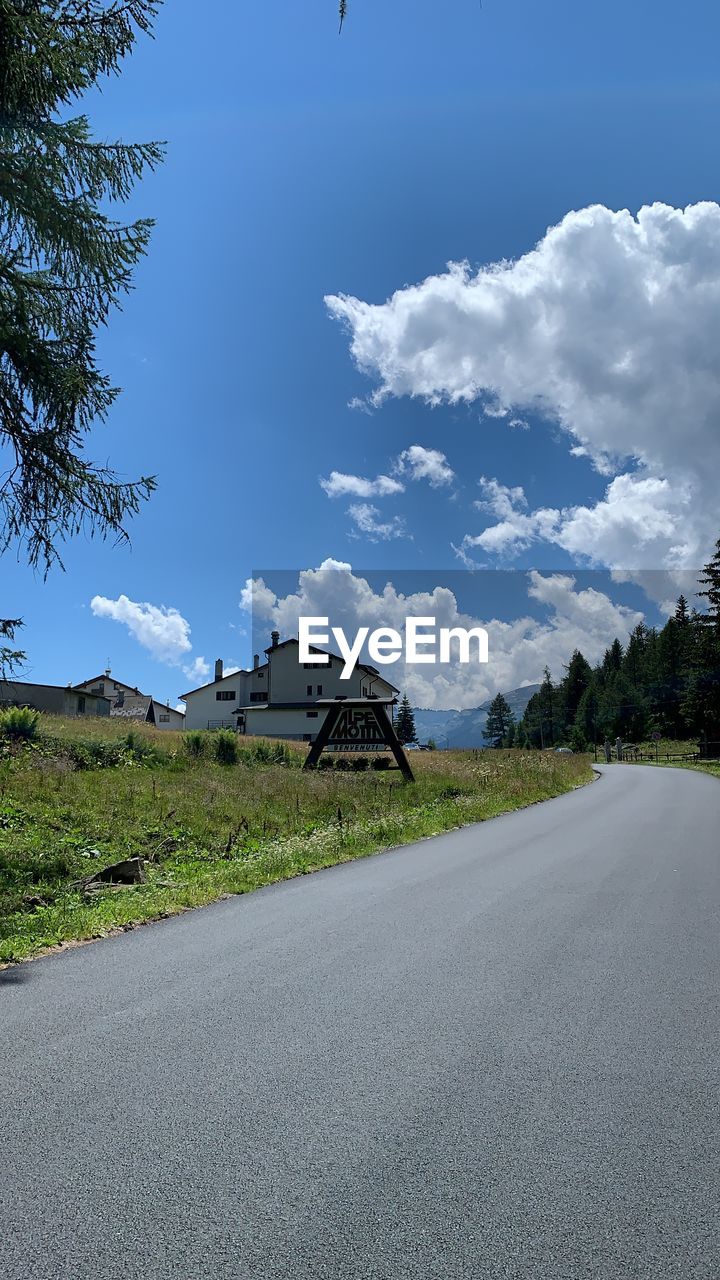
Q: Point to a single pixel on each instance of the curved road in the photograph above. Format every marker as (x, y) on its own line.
(494, 1054)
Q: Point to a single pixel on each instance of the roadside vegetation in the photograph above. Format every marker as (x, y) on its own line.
(675, 753)
(663, 682)
(700, 766)
(198, 816)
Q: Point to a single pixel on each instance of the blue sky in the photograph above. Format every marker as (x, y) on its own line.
(302, 165)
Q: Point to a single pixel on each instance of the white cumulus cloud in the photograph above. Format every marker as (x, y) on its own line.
(340, 485)
(643, 513)
(163, 631)
(607, 327)
(500, 499)
(367, 520)
(519, 650)
(420, 463)
(413, 464)
(197, 671)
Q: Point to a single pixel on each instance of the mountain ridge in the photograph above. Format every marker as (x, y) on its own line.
(466, 728)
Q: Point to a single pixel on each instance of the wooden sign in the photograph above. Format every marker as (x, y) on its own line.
(360, 724)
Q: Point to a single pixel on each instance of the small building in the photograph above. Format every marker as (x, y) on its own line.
(281, 697)
(56, 699)
(143, 707)
(128, 703)
(212, 706)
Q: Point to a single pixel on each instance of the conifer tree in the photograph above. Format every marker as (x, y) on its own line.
(64, 265)
(499, 721)
(673, 648)
(710, 580)
(579, 675)
(635, 656)
(547, 710)
(405, 723)
(586, 716)
(623, 709)
(613, 658)
(665, 680)
(10, 659)
(682, 616)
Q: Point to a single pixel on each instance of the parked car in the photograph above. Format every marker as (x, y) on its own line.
(564, 751)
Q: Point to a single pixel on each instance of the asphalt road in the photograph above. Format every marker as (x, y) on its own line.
(492, 1054)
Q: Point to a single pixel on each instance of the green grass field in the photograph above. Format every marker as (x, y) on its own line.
(658, 752)
(81, 796)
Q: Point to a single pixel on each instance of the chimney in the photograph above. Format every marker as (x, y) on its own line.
(219, 669)
(256, 661)
(274, 639)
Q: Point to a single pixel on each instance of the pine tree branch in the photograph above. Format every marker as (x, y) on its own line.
(64, 264)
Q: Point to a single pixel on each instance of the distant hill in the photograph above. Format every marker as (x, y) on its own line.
(466, 728)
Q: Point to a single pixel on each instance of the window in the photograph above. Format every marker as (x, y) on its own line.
(364, 692)
(81, 706)
(225, 695)
(260, 675)
(319, 689)
(313, 666)
(258, 697)
(164, 719)
(308, 690)
(98, 688)
(311, 715)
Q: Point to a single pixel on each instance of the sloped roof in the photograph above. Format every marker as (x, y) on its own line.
(165, 706)
(230, 675)
(102, 679)
(359, 666)
(133, 708)
(65, 688)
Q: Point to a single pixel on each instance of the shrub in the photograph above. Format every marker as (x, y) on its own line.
(359, 763)
(259, 751)
(142, 750)
(280, 753)
(88, 753)
(195, 744)
(256, 752)
(19, 723)
(78, 753)
(104, 755)
(226, 747)
(380, 763)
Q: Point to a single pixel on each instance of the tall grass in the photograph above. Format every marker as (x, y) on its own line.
(206, 828)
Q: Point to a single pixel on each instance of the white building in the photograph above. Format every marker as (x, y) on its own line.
(280, 698)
